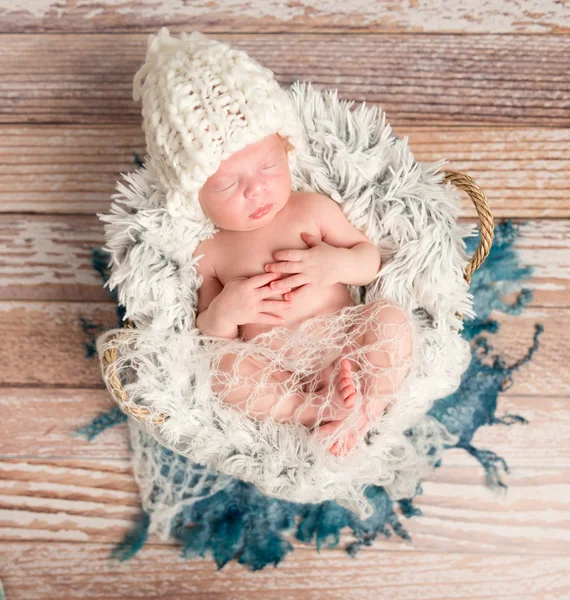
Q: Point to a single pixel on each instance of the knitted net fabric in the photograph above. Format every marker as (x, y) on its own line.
(276, 376)
(284, 460)
(168, 367)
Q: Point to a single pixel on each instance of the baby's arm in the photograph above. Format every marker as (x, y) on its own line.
(363, 260)
(207, 320)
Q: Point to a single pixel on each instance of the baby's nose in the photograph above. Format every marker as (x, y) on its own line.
(255, 189)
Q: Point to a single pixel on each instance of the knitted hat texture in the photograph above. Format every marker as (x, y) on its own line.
(202, 101)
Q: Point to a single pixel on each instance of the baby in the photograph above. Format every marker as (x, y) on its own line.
(222, 138)
(280, 258)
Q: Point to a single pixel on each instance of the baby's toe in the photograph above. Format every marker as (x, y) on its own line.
(348, 392)
(346, 446)
(350, 400)
(327, 429)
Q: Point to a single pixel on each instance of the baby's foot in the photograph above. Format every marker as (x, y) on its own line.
(352, 438)
(348, 439)
(344, 393)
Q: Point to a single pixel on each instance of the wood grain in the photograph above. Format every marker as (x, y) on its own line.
(311, 16)
(74, 168)
(97, 501)
(495, 106)
(48, 257)
(424, 79)
(53, 416)
(44, 345)
(71, 571)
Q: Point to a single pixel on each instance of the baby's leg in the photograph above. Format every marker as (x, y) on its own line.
(265, 397)
(382, 369)
(384, 366)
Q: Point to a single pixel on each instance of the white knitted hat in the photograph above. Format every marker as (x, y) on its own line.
(202, 101)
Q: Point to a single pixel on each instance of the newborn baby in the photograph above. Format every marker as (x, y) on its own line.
(281, 258)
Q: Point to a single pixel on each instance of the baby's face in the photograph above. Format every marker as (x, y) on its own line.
(249, 179)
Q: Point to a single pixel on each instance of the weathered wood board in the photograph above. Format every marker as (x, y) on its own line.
(424, 79)
(486, 87)
(74, 168)
(72, 571)
(525, 16)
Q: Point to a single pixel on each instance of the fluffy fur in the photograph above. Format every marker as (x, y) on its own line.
(401, 206)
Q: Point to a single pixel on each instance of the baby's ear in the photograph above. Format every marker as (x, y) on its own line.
(285, 142)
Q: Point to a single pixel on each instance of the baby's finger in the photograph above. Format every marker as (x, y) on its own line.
(285, 267)
(291, 296)
(267, 292)
(263, 279)
(292, 282)
(289, 254)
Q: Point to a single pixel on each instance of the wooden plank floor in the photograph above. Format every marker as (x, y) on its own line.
(487, 87)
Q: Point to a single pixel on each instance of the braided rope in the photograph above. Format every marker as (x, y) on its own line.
(460, 180)
(465, 182)
(114, 385)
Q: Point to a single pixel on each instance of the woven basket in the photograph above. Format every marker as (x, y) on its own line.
(460, 180)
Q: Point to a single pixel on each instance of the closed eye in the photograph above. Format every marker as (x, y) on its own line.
(226, 188)
(232, 185)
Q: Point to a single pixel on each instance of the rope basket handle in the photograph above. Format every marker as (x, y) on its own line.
(460, 180)
(465, 182)
(115, 386)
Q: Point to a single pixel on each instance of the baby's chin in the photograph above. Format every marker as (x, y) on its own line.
(257, 224)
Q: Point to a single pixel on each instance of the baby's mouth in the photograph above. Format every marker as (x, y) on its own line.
(261, 211)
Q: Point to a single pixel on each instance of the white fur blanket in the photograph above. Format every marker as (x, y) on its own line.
(402, 207)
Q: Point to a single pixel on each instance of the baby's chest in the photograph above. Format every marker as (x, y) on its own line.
(247, 253)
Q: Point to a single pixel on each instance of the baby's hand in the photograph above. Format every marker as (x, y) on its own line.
(315, 266)
(246, 300)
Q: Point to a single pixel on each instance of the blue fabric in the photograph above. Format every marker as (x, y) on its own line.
(240, 523)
